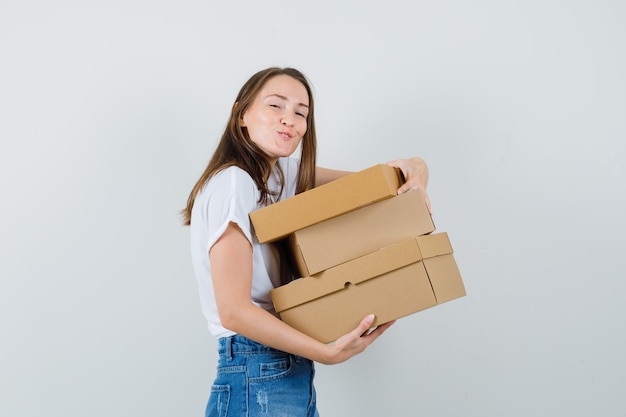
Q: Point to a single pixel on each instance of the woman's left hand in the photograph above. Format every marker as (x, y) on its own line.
(415, 173)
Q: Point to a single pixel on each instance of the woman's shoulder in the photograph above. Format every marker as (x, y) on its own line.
(228, 183)
(232, 177)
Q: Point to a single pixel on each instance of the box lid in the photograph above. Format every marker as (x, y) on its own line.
(326, 201)
(359, 270)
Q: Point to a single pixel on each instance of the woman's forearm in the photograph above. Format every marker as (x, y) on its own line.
(326, 175)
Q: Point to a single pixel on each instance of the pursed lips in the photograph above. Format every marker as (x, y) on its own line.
(285, 135)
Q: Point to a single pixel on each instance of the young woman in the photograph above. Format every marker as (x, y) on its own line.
(265, 367)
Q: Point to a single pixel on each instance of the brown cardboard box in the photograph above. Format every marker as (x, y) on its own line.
(359, 232)
(392, 282)
(326, 201)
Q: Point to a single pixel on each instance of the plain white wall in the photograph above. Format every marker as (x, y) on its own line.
(109, 111)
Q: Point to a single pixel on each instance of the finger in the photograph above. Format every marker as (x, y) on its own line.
(410, 186)
(378, 331)
(395, 163)
(401, 165)
(364, 326)
(404, 188)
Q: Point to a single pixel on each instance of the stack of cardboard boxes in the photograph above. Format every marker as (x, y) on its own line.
(360, 248)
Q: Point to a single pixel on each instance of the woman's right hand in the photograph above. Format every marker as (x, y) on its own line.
(355, 342)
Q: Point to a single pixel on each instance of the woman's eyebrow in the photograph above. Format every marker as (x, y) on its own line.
(286, 99)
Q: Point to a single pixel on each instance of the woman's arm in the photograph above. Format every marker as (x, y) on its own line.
(231, 267)
(326, 175)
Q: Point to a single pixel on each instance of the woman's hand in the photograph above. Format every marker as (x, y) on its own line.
(356, 341)
(415, 173)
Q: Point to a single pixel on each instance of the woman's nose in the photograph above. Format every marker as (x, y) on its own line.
(287, 120)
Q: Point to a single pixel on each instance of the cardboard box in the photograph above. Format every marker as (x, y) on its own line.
(358, 233)
(346, 194)
(391, 283)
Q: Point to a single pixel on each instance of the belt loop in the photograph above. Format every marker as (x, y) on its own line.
(229, 348)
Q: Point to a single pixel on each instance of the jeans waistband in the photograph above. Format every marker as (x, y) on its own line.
(241, 344)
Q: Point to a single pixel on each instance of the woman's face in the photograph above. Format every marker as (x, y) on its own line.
(277, 118)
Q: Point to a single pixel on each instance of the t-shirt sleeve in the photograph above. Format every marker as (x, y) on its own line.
(233, 195)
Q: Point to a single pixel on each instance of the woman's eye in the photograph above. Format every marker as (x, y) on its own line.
(276, 106)
(301, 114)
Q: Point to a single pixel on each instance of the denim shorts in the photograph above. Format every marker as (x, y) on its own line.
(254, 380)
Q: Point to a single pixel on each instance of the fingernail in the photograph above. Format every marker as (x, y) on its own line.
(370, 318)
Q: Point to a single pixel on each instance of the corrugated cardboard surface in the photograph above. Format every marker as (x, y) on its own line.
(391, 283)
(349, 193)
(359, 232)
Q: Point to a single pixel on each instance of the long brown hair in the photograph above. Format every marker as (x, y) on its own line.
(236, 149)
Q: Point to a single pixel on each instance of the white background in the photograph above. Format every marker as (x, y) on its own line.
(109, 111)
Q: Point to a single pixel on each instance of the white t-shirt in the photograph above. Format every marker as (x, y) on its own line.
(230, 196)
